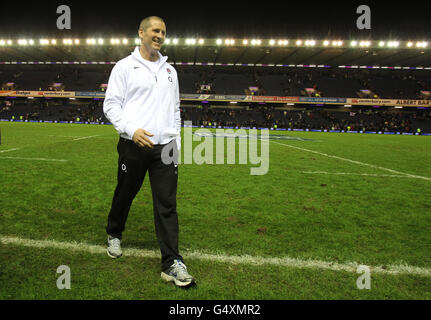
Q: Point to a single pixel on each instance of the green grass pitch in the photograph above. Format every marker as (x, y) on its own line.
(374, 210)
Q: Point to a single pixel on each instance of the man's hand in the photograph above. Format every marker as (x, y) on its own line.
(140, 137)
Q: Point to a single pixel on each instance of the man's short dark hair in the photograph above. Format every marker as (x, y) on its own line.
(146, 22)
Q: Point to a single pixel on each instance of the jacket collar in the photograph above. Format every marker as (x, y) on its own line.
(137, 55)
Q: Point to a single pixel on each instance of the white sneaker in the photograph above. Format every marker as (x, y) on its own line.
(114, 247)
(178, 274)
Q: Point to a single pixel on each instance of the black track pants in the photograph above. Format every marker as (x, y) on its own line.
(133, 164)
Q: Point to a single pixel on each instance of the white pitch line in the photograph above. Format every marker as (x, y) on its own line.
(391, 269)
(35, 159)
(1, 151)
(82, 138)
(360, 174)
(354, 161)
(59, 136)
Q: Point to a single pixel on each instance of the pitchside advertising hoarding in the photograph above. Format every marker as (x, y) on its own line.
(229, 98)
(389, 102)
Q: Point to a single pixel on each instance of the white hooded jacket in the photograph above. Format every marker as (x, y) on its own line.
(139, 96)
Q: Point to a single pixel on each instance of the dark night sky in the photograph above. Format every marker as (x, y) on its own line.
(211, 19)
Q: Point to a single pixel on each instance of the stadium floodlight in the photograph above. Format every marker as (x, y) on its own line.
(22, 42)
(421, 44)
(125, 41)
(201, 41)
(298, 42)
(43, 42)
(76, 41)
(100, 41)
(271, 42)
(310, 43)
(256, 42)
(190, 41)
(2, 42)
(175, 41)
(353, 43)
(283, 42)
(53, 41)
(115, 41)
(326, 43)
(337, 43)
(245, 42)
(393, 44)
(409, 44)
(364, 43)
(381, 44)
(219, 41)
(91, 41)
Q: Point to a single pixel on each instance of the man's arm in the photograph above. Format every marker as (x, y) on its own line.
(178, 115)
(114, 99)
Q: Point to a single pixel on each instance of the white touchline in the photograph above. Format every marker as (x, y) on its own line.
(354, 161)
(390, 269)
(360, 174)
(35, 159)
(82, 138)
(1, 151)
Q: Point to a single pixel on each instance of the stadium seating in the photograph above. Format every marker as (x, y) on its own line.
(388, 84)
(405, 84)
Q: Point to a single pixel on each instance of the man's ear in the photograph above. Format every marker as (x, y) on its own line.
(140, 31)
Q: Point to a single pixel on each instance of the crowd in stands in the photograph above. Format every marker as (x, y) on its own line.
(370, 119)
(312, 82)
(52, 110)
(257, 115)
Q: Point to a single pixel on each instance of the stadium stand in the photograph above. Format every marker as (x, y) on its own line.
(405, 84)
(333, 82)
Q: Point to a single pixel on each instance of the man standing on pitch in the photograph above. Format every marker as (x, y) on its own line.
(142, 102)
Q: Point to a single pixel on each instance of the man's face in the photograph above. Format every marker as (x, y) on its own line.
(154, 36)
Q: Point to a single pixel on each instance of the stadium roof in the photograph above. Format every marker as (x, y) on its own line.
(386, 43)
(229, 52)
